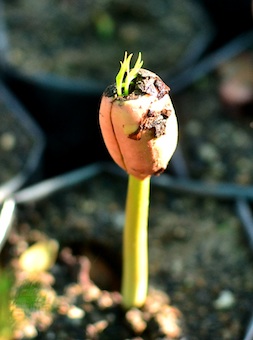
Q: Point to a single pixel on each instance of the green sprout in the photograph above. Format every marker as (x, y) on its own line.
(141, 158)
(126, 75)
(135, 240)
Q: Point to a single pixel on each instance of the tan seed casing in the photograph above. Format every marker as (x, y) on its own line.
(140, 131)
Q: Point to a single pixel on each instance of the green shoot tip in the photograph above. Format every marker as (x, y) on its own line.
(126, 75)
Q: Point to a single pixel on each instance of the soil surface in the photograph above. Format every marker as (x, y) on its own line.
(83, 39)
(200, 267)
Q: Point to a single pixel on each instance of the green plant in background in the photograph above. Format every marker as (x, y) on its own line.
(6, 320)
(139, 128)
(28, 297)
(104, 25)
(19, 300)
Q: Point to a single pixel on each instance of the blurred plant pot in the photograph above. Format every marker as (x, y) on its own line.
(224, 14)
(220, 147)
(85, 41)
(21, 145)
(216, 130)
(64, 98)
(197, 254)
(212, 60)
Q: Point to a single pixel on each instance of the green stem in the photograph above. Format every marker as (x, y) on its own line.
(135, 243)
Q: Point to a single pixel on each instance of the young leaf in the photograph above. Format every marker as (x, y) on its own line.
(126, 75)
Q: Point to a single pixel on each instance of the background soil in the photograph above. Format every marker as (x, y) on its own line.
(86, 39)
(200, 264)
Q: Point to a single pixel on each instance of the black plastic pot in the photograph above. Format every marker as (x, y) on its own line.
(67, 109)
(201, 29)
(22, 145)
(231, 18)
(69, 120)
(209, 63)
(22, 140)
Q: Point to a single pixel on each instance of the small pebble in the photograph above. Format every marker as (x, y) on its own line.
(92, 293)
(208, 152)
(93, 330)
(7, 141)
(135, 318)
(168, 321)
(105, 300)
(225, 300)
(30, 331)
(75, 313)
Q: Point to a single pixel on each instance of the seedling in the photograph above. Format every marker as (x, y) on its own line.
(139, 128)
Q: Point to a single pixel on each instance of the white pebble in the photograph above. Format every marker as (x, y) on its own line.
(75, 313)
(8, 141)
(30, 331)
(225, 300)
